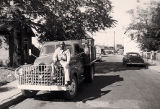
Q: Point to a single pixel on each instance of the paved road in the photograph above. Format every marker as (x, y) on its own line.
(115, 87)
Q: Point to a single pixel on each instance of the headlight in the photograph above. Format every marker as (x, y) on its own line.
(19, 71)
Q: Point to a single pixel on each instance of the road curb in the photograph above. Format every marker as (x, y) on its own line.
(154, 68)
(15, 99)
(153, 65)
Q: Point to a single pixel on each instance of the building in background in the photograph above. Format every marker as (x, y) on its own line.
(119, 49)
(109, 50)
(4, 54)
(15, 45)
(99, 49)
(130, 42)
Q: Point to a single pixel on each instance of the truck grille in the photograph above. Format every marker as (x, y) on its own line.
(41, 75)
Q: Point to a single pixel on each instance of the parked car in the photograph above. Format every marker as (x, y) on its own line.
(133, 58)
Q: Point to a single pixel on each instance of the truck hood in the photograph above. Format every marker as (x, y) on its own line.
(46, 59)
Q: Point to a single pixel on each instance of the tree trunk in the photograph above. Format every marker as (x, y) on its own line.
(16, 57)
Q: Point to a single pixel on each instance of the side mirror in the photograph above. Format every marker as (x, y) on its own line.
(30, 52)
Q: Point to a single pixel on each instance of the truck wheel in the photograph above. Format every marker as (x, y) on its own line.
(90, 74)
(72, 92)
(124, 63)
(29, 93)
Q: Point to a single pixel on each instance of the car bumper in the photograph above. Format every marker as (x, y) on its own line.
(43, 88)
(135, 63)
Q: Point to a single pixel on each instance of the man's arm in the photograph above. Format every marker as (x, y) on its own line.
(54, 57)
(68, 56)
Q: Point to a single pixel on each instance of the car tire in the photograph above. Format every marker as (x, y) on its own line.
(90, 74)
(124, 63)
(29, 93)
(146, 66)
(72, 91)
(127, 65)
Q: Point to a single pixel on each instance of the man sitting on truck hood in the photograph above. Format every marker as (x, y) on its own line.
(62, 55)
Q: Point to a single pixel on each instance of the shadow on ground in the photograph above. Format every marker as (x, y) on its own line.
(106, 67)
(3, 83)
(4, 89)
(86, 91)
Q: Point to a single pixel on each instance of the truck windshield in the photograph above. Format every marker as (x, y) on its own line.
(48, 49)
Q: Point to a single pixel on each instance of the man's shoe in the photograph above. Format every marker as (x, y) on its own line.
(68, 83)
(54, 78)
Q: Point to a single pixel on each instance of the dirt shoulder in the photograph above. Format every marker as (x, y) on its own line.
(6, 75)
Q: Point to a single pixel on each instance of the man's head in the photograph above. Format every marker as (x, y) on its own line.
(63, 46)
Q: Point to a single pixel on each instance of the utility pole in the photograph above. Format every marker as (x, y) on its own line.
(114, 43)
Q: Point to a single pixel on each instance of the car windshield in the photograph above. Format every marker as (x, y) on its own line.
(48, 49)
(133, 54)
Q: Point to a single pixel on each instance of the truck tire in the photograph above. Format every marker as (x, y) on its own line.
(72, 92)
(29, 93)
(90, 74)
(124, 63)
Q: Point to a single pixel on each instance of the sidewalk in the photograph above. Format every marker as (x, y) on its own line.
(153, 64)
(9, 94)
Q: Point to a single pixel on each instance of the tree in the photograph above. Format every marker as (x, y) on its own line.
(146, 22)
(59, 19)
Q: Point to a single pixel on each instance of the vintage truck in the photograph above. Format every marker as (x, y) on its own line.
(38, 77)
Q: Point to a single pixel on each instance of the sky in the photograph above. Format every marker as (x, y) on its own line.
(119, 13)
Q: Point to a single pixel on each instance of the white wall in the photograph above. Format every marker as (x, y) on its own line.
(4, 52)
(98, 49)
(131, 45)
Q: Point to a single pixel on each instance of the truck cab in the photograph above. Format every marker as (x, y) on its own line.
(38, 77)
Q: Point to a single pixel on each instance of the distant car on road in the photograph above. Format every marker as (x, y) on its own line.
(133, 58)
(98, 57)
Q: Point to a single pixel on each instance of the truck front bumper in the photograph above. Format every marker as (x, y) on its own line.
(43, 88)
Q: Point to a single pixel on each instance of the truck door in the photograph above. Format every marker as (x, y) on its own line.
(92, 50)
(79, 58)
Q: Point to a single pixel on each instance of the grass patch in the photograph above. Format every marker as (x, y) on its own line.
(6, 75)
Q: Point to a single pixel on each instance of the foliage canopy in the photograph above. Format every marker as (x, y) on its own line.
(58, 19)
(146, 23)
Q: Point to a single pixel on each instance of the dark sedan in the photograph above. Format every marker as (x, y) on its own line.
(133, 58)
